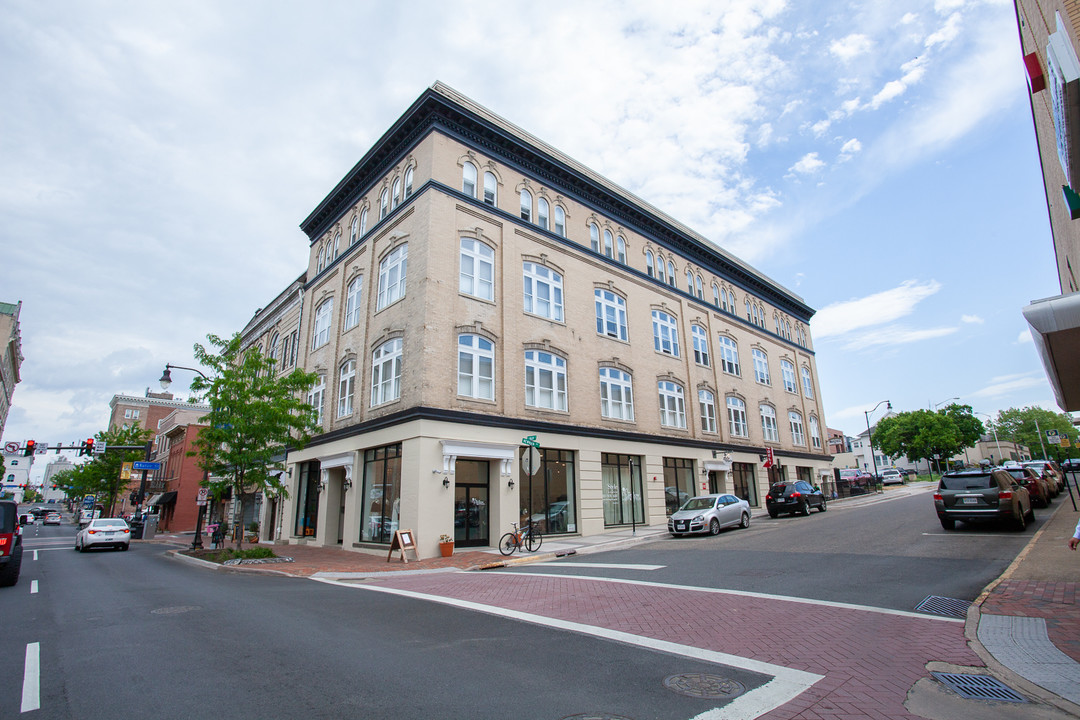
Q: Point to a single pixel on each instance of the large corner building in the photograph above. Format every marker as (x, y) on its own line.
(471, 293)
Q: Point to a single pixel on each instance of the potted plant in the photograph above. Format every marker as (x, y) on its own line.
(446, 545)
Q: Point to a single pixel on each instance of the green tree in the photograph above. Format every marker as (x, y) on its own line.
(255, 416)
(1019, 426)
(101, 476)
(922, 434)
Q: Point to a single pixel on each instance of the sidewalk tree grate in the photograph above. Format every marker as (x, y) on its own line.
(979, 687)
(950, 607)
(702, 685)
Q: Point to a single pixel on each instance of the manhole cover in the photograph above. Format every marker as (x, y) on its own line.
(949, 607)
(595, 716)
(979, 687)
(701, 685)
(175, 610)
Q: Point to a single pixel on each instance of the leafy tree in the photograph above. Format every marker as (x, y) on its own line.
(1019, 426)
(31, 495)
(255, 416)
(101, 476)
(921, 434)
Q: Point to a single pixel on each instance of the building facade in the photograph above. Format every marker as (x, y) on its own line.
(11, 357)
(472, 292)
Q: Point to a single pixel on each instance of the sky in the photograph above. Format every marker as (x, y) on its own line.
(876, 159)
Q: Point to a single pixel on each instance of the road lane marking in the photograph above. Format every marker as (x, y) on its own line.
(609, 566)
(35, 555)
(741, 593)
(786, 685)
(31, 686)
(33, 586)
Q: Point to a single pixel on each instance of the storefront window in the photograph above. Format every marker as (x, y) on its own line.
(678, 482)
(744, 481)
(622, 489)
(382, 494)
(547, 497)
(307, 500)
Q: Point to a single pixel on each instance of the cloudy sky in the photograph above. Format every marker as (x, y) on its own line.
(878, 159)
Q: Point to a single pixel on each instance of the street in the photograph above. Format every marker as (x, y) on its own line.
(139, 632)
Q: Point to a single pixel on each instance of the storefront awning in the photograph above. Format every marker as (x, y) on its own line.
(1055, 328)
(153, 499)
(164, 499)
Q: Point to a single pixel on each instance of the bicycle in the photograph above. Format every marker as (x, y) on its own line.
(529, 538)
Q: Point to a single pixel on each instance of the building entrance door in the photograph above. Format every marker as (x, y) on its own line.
(471, 506)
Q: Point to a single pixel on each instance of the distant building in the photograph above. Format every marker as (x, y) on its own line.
(16, 475)
(838, 441)
(60, 464)
(10, 356)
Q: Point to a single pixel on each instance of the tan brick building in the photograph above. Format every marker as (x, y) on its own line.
(469, 287)
(11, 357)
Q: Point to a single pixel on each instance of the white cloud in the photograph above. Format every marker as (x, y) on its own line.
(877, 309)
(850, 47)
(1002, 386)
(946, 33)
(1024, 337)
(973, 319)
(894, 335)
(807, 164)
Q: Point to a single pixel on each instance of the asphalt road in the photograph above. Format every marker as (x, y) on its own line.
(889, 554)
(138, 634)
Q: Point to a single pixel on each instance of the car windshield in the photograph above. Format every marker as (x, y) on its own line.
(108, 523)
(699, 503)
(968, 482)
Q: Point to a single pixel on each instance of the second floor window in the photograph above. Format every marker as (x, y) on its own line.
(610, 314)
(707, 408)
(768, 424)
(476, 367)
(815, 433)
(736, 412)
(392, 276)
(545, 380)
(797, 435)
(665, 333)
(543, 292)
(352, 302)
(345, 388)
(320, 331)
(672, 405)
(477, 270)
(386, 372)
(616, 394)
(315, 399)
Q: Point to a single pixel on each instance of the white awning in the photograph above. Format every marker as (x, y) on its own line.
(1055, 328)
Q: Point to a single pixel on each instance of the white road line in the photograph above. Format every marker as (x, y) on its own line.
(964, 535)
(786, 685)
(35, 555)
(33, 586)
(741, 593)
(610, 566)
(31, 685)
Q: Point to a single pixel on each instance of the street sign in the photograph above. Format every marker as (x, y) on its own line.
(530, 461)
(11, 448)
(530, 441)
(1065, 442)
(203, 494)
(125, 471)
(139, 465)
(41, 448)
(99, 448)
(1052, 437)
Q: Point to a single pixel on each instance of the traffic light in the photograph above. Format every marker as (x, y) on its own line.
(28, 450)
(87, 447)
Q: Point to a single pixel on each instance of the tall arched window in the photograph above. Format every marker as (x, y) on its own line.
(542, 213)
(609, 244)
(386, 372)
(594, 237)
(660, 274)
(397, 194)
(671, 273)
(354, 230)
(346, 379)
(363, 222)
(408, 182)
(320, 331)
(649, 269)
(384, 203)
(620, 249)
(491, 186)
(476, 367)
(560, 221)
(468, 179)
(736, 409)
(526, 205)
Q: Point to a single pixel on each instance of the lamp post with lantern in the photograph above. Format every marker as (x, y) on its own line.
(166, 381)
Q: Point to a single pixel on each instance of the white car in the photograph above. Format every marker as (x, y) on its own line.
(104, 532)
(892, 476)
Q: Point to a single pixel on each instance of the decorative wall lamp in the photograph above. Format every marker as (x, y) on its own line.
(510, 483)
(347, 484)
(446, 481)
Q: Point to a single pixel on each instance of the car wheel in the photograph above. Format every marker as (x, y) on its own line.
(1030, 516)
(745, 522)
(824, 505)
(948, 523)
(805, 510)
(676, 535)
(1021, 522)
(124, 547)
(714, 527)
(773, 514)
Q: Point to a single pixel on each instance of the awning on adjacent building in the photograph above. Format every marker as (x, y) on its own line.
(1055, 328)
(164, 499)
(153, 499)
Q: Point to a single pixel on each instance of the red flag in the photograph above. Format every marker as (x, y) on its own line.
(768, 458)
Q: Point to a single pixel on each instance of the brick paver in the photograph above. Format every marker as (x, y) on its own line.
(1055, 602)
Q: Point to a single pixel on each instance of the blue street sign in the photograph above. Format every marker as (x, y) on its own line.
(146, 466)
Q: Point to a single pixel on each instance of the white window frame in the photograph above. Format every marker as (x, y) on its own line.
(616, 394)
(386, 372)
(737, 417)
(769, 429)
(491, 189)
(707, 409)
(545, 380)
(729, 356)
(476, 275)
(408, 183)
(665, 333)
(316, 397)
(395, 195)
(594, 237)
(393, 270)
(560, 221)
(798, 436)
(761, 366)
(346, 380)
(672, 404)
(476, 367)
(700, 340)
(543, 213)
(384, 203)
(320, 328)
(352, 302)
(526, 205)
(649, 269)
(620, 249)
(807, 382)
(543, 291)
(815, 432)
(468, 179)
(787, 371)
(610, 314)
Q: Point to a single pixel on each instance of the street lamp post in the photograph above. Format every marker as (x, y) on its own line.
(870, 434)
(166, 381)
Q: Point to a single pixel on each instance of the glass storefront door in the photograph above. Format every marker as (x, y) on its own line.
(471, 507)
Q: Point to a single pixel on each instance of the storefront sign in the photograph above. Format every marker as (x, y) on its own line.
(1063, 72)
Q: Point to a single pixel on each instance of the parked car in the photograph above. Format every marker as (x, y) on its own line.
(1037, 486)
(892, 476)
(709, 513)
(11, 549)
(794, 497)
(982, 495)
(1050, 471)
(52, 519)
(26, 519)
(103, 532)
(858, 481)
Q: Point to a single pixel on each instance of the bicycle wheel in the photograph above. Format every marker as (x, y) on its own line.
(533, 541)
(507, 544)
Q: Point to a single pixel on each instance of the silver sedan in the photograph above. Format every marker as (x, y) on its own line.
(709, 513)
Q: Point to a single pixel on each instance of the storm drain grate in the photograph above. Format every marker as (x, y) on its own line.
(703, 685)
(979, 687)
(950, 607)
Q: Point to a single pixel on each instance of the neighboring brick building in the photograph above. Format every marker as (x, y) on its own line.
(469, 287)
(11, 356)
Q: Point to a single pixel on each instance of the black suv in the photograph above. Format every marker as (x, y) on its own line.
(794, 497)
(974, 495)
(11, 549)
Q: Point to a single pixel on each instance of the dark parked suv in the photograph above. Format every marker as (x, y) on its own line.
(975, 495)
(11, 549)
(794, 497)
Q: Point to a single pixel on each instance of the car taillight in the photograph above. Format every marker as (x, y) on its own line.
(127, 530)
(92, 532)
(769, 496)
(3, 540)
(796, 495)
(1006, 495)
(937, 496)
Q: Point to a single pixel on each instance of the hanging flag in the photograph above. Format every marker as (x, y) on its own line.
(768, 458)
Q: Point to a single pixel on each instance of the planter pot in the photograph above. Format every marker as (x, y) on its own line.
(447, 549)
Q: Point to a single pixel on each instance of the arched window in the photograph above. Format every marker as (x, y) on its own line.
(610, 314)
(697, 288)
(319, 258)
(354, 230)
(787, 371)
(476, 367)
(386, 372)
(736, 410)
(272, 349)
(649, 269)
(701, 345)
(468, 179)
(620, 249)
(526, 205)
(476, 273)
(798, 437)
(715, 295)
(761, 366)
(609, 244)
(671, 273)
(397, 193)
(543, 291)
(672, 404)
(660, 275)
(363, 222)
(315, 398)
(545, 380)
(665, 333)
(729, 356)
(616, 394)
(337, 244)
(408, 182)
(768, 424)
(707, 410)
(689, 281)
(594, 237)
(392, 272)
(542, 213)
(352, 302)
(560, 221)
(346, 379)
(384, 203)
(320, 331)
(815, 433)
(491, 186)
(807, 383)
